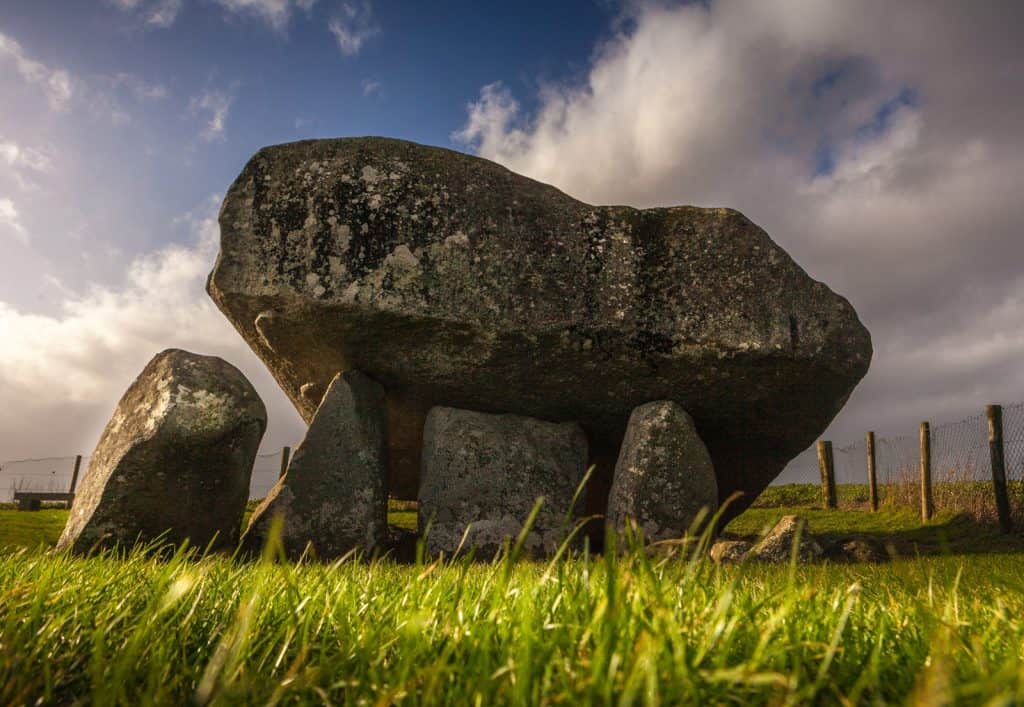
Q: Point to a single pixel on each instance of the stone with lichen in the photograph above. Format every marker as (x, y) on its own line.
(483, 473)
(333, 498)
(778, 545)
(174, 462)
(453, 281)
(664, 478)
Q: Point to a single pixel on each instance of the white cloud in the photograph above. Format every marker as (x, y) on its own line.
(275, 13)
(56, 83)
(352, 26)
(860, 136)
(159, 14)
(67, 371)
(370, 87)
(16, 156)
(10, 220)
(163, 14)
(213, 106)
(23, 164)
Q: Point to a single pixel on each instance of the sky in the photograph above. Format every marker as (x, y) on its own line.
(879, 143)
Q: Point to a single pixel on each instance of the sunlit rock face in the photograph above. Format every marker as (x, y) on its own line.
(174, 462)
(453, 281)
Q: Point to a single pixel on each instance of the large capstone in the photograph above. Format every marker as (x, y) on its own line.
(453, 281)
(174, 462)
(485, 472)
(664, 478)
(333, 497)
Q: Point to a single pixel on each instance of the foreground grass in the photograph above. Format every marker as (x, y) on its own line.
(620, 630)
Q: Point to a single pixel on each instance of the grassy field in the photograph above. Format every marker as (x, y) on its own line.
(627, 629)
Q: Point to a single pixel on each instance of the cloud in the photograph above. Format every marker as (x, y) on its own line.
(16, 156)
(56, 83)
(163, 14)
(10, 220)
(370, 87)
(213, 106)
(875, 142)
(159, 14)
(276, 13)
(67, 371)
(352, 26)
(22, 164)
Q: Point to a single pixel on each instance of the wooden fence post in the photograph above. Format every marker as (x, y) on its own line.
(927, 505)
(994, 413)
(74, 474)
(285, 455)
(872, 472)
(826, 465)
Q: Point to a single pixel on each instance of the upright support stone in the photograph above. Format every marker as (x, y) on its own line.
(333, 497)
(664, 477)
(872, 472)
(994, 413)
(482, 475)
(826, 468)
(927, 504)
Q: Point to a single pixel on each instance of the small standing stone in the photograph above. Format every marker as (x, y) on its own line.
(663, 477)
(174, 461)
(333, 496)
(486, 471)
(777, 545)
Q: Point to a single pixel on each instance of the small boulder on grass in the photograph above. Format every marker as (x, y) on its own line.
(729, 551)
(777, 545)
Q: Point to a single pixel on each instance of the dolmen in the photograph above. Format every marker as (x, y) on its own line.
(464, 336)
(696, 357)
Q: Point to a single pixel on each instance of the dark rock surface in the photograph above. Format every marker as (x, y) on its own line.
(453, 281)
(664, 476)
(486, 472)
(858, 550)
(176, 456)
(333, 495)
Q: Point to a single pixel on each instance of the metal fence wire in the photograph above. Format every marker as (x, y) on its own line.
(53, 474)
(960, 462)
(961, 469)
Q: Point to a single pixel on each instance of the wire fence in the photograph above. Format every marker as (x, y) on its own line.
(53, 474)
(960, 462)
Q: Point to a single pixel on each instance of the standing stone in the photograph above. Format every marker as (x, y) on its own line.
(486, 471)
(453, 281)
(333, 496)
(664, 475)
(175, 458)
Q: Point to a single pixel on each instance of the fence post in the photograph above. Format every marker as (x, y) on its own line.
(285, 454)
(826, 465)
(74, 474)
(994, 413)
(927, 505)
(872, 472)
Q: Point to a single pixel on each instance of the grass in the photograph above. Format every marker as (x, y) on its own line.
(617, 629)
(614, 630)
